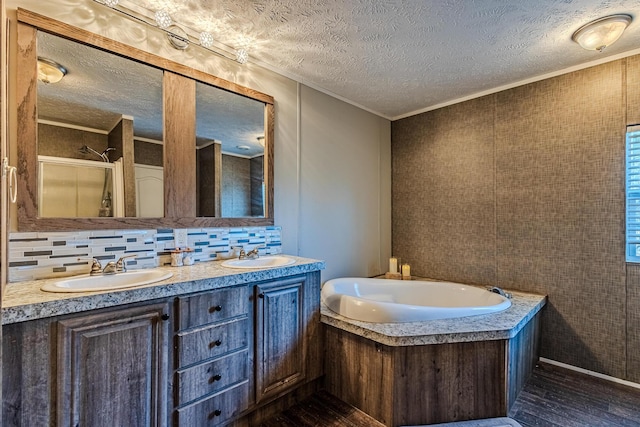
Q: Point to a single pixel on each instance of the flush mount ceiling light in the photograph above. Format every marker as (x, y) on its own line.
(598, 34)
(50, 71)
(179, 36)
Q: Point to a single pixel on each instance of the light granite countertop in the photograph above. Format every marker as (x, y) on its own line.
(497, 326)
(24, 301)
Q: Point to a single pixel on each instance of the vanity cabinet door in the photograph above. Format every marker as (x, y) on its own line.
(280, 336)
(112, 368)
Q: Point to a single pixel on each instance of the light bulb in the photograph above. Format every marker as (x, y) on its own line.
(242, 56)
(163, 19)
(206, 39)
(111, 3)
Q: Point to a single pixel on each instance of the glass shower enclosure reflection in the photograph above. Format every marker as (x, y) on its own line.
(75, 188)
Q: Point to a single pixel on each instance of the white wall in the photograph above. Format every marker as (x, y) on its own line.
(332, 160)
(344, 198)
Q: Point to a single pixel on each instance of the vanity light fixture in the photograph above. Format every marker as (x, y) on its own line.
(50, 71)
(598, 34)
(179, 36)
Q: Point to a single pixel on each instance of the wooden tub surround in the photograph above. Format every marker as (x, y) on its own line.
(433, 371)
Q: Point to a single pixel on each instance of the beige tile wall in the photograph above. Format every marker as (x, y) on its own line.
(633, 270)
(525, 189)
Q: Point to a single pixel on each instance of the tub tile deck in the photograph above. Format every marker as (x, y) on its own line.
(496, 326)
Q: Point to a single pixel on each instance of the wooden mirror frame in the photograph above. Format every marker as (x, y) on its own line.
(179, 132)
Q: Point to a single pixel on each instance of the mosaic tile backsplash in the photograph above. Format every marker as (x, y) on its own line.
(52, 254)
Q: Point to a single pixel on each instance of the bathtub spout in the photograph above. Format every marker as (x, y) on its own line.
(499, 291)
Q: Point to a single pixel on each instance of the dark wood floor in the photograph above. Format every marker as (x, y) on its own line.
(553, 397)
(322, 410)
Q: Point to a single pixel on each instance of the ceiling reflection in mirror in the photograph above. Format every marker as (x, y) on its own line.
(97, 127)
(230, 154)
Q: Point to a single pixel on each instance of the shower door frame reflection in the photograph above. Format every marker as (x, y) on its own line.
(114, 192)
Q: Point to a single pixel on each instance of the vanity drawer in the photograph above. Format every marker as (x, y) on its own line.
(217, 409)
(210, 377)
(205, 343)
(213, 306)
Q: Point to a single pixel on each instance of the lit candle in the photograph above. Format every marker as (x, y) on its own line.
(406, 270)
(393, 265)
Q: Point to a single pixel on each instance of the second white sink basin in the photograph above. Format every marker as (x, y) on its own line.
(262, 262)
(86, 283)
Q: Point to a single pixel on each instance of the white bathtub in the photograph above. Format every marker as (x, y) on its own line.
(392, 301)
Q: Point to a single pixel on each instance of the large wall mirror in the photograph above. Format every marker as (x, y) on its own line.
(229, 154)
(99, 133)
(127, 139)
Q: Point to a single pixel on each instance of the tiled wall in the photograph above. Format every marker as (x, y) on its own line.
(41, 255)
(524, 189)
(633, 270)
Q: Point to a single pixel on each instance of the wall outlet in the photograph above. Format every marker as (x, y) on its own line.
(180, 237)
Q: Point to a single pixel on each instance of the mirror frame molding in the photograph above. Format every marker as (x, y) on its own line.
(179, 171)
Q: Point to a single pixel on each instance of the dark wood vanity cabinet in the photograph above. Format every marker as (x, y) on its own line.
(205, 359)
(280, 336)
(99, 368)
(213, 346)
(112, 368)
(240, 348)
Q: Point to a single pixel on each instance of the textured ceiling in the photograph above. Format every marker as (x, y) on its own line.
(395, 57)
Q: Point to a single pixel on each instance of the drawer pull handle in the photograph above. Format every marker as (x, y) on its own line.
(165, 316)
(215, 413)
(215, 343)
(261, 295)
(216, 308)
(215, 378)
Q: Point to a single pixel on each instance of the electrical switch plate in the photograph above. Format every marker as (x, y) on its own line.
(180, 237)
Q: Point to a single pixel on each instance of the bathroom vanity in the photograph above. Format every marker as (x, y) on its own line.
(209, 346)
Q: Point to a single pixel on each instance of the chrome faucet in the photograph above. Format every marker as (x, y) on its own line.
(96, 267)
(253, 253)
(112, 267)
(242, 254)
(499, 291)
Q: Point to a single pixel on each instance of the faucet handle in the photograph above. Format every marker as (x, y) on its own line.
(254, 252)
(242, 253)
(96, 267)
(120, 265)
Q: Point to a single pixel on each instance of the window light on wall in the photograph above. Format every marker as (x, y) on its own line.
(632, 192)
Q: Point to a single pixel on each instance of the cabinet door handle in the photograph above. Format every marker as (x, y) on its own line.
(215, 413)
(215, 378)
(215, 343)
(261, 295)
(216, 308)
(165, 316)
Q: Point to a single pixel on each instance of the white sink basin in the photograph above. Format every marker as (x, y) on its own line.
(86, 283)
(262, 262)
